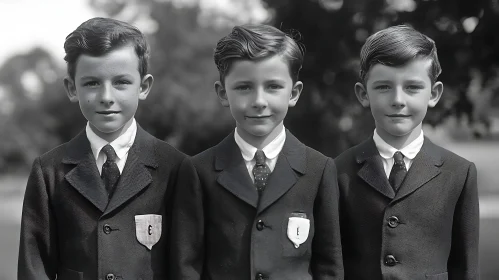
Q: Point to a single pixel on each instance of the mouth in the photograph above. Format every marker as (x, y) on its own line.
(398, 116)
(258, 117)
(107, 113)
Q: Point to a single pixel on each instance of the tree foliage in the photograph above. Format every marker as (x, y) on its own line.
(35, 114)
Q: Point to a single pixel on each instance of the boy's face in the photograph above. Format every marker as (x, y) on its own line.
(258, 94)
(108, 89)
(399, 98)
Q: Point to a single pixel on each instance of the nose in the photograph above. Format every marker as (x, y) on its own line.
(107, 96)
(398, 97)
(260, 100)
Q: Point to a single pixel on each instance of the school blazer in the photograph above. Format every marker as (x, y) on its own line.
(427, 230)
(70, 230)
(221, 231)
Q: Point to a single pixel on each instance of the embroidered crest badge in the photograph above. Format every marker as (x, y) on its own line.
(298, 229)
(148, 229)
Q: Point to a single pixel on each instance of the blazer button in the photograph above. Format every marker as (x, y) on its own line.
(110, 276)
(107, 230)
(260, 225)
(393, 222)
(259, 276)
(390, 260)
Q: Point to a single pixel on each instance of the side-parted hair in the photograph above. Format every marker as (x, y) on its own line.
(396, 46)
(99, 36)
(255, 42)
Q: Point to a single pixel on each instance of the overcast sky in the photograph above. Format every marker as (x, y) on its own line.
(25, 24)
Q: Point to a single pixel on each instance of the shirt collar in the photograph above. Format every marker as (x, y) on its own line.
(121, 145)
(271, 151)
(409, 151)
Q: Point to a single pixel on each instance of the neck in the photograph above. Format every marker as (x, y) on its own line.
(111, 136)
(260, 142)
(399, 142)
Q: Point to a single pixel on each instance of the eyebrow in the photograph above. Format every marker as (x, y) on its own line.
(416, 81)
(96, 78)
(88, 78)
(390, 82)
(383, 82)
(275, 81)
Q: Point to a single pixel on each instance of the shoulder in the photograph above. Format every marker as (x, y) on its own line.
(166, 151)
(55, 155)
(223, 152)
(315, 157)
(349, 156)
(162, 150)
(449, 158)
(204, 158)
(59, 153)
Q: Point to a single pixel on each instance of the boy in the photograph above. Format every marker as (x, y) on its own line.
(263, 205)
(98, 206)
(409, 208)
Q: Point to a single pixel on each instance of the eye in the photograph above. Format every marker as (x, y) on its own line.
(91, 84)
(122, 82)
(242, 87)
(275, 87)
(415, 87)
(382, 87)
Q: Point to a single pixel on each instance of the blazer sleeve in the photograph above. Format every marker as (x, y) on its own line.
(187, 240)
(327, 259)
(463, 259)
(38, 242)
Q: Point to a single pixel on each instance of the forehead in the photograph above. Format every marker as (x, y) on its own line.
(122, 60)
(267, 68)
(417, 69)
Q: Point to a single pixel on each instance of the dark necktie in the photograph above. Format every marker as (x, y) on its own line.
(261, 171)
(398, 172)
(110, 171)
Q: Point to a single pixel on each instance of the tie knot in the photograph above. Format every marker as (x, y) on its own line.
(260, 157)
(110, 153)
(398, 157)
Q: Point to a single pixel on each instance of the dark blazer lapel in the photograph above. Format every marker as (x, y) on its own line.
(424, 168)
(85, 177)
(234, 175)
(372, 171)
(290, 163)
(135, 176)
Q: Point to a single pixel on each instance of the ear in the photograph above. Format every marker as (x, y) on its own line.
(221, 93)
(145, 86)
(436, 93)
(70, 87)
(295, 93)
(361, 93)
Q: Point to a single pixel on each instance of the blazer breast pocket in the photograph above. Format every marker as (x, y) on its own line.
(295, 235)
(148, 229)
(69, 274)
(440, 276)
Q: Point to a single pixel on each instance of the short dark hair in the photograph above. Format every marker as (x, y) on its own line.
(255, 42)
(395, 46)
(98, 36)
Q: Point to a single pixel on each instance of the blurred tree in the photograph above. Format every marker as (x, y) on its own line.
(35, 114)
(328, 116)
(32, 103)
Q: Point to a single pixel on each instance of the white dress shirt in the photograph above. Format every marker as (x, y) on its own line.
(271, 151)
(121, 146)
(386, 151)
